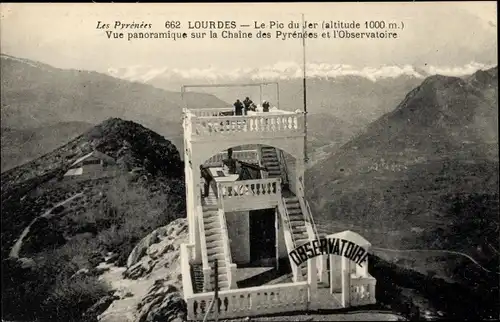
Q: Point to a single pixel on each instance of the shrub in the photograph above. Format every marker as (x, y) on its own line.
(68, 299)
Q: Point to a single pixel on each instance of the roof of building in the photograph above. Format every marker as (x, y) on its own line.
(95, 154)
(74, 172)
(351, 236)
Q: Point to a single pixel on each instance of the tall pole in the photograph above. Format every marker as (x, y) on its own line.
(260, 87)
(304, 86)
(216, 291)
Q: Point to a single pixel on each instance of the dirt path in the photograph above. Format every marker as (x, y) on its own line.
(14, 252)
(434, 251)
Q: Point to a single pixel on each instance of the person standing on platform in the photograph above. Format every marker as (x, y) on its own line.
(265, 106)
(238, 107)
(248, 103)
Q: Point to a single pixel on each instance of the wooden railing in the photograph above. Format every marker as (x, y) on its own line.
(257, 187)
(204, 254)
(208, 112)
(262, 300)
(250, 156)
(229, 125)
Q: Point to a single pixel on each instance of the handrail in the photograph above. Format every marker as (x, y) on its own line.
(289, 237)
(287, 219)
(225, 240)
(283, 166)
(203, 241)
(312, 219)
(309, 215)
(225, 237)
(263, 174)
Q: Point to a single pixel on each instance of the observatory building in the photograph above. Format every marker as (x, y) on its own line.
(253, 245)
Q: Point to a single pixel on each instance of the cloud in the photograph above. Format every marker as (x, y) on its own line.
(290, 70)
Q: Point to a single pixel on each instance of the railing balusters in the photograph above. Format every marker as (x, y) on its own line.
(205, 124)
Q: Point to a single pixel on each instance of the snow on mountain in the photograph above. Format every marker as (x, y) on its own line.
(288, 70)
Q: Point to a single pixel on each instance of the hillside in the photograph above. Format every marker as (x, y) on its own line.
(424, 176)
(72, 224)
(22, 145)
(36, 95)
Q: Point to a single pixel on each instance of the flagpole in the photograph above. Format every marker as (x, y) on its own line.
(306, 159)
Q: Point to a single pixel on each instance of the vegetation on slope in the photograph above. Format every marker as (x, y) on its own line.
(56, 278)
(424, 176)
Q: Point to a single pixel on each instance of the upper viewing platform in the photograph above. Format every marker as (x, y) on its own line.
(222, 123)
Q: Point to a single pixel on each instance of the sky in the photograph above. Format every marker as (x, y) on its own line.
(442, 34)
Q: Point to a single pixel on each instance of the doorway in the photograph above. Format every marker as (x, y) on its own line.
(262, 235)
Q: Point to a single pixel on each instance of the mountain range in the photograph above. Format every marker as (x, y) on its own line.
(45, 104)
(409, 163)
(36, 96)
(423, 176)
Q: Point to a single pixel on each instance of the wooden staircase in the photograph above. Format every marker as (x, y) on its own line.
(215, 247)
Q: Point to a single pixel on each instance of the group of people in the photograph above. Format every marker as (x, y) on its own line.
(248, 105)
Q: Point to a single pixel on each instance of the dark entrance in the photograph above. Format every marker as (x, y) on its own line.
(262, 234)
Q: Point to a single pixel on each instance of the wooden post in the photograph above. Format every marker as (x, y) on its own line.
(216, 290)
(277, 230)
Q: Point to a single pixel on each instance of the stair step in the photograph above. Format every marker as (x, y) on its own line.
(214, 250)
(214, 243)
(297, 223)
(210, 220)
(213, 231)
(291, 199)
(222, 275)
(213, 238)
(212, 224)
(223, 285)
(299, 229)
(218, 256)
(300, 239)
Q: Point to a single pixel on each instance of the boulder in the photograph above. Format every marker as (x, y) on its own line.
(141, 248)
(162, 303)
(100, 306)
(140, 269)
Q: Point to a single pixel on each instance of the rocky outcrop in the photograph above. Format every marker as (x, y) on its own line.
(156, 248)
(163, 303)
(149, 289)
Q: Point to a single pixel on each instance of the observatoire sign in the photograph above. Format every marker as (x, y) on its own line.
(331, 246)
